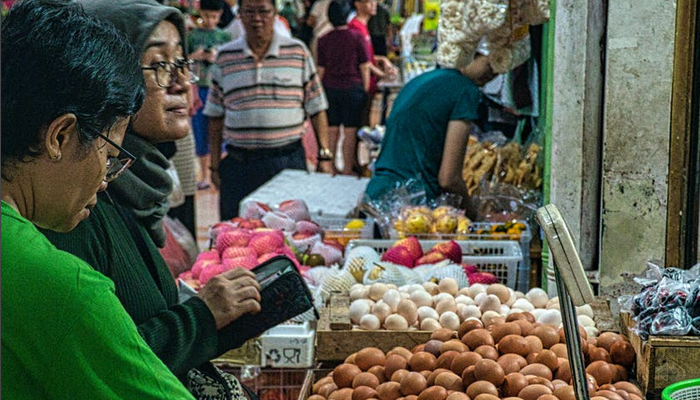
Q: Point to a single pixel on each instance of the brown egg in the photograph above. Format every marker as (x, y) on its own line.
(369, 357)
(432, 346)
(513, 384)
(454, 345)
(468, 326)
(608, 394)
(535, 344)
(468, 376)
(538, 370)
(489, 370)
(402, 351)
(601, 371)
(350, 359)
(378, 371)
(532, 392)
(343, 375)
(514, 344)
(477, 337)
(365, 379)
(547, 334)
(434, 374)
(327, 389)
(607, 339)
(487, 396)
(433, 393)
(538, 380)
(341, 394)
(628, 387)
(548, 397)
(531, 358)
(509, 328)
(622, 353)
(417, 348)
(487, 351)
(398, 376)
(557, 383)
(529, 317)
(564, 370)
(525, 326)
(321, 382)
(598, 354)
(548, 358)
(623, 394)
(565, 393)
(443, 334)
(457, 396)
(515, 316)
(449, 380)
(394, 363)
(480, 387)
(364, 393)
(411, 397)
(426, 373)
(591, 383)
(511, 363)
(635, 397)
(445, 359)
(422, 361)
(389, 391)
(560, 350)
(463, 360)
(317, 397)
(413, 383)
(621, 373)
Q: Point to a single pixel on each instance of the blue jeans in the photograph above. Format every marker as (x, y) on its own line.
(243, 171)
(200, 126)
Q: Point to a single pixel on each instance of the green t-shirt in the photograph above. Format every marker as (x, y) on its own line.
(414, 140)
(64, 333)
(206, 39)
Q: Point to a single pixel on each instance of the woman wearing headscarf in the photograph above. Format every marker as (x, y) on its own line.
(122, 237)
(70, 85)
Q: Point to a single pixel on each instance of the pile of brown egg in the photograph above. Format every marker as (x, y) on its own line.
(517, 359)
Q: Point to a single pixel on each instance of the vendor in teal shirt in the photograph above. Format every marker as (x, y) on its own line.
(428, 129)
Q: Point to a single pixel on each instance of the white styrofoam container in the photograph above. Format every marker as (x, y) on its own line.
(288, 346)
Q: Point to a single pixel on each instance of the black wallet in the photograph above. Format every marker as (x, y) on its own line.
(283, 293)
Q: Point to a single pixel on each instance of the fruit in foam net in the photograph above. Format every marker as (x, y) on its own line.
(413, 246)
(443, 210)
(398, 255)
(417, 222)
(314, 260)
(446, 223)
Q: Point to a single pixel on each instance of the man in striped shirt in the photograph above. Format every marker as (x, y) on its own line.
(263, 87)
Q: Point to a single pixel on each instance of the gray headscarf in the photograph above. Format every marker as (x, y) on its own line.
(145, 187)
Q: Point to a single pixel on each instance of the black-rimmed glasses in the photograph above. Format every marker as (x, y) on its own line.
(116, 166)
(167, 72)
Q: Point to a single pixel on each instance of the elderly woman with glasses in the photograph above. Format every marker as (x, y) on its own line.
(65, 110)
(122, 236)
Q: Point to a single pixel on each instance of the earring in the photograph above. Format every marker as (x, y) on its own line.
(56, 157)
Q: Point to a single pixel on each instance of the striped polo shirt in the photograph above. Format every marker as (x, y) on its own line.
(264, 103)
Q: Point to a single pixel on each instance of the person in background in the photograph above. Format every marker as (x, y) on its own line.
(318, 20)
(263, 88)
(289, 13)
(65, 110)
(380, 66)
(237, 29)
(427, 131)
(122, 236)
(202, 46)
(343, 64)
(379, 26)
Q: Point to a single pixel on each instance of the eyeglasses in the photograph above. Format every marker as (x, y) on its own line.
(263, 12)
(167, 72)
(116, 166)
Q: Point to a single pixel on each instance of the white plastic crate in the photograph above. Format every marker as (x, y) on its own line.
(288, 346)
(502, 258)
(335, 229)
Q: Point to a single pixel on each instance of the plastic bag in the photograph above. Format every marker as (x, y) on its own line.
(177, 196)
(180, 250)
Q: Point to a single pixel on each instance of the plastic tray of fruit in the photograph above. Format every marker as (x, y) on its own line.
(502, 258)
(346, 229)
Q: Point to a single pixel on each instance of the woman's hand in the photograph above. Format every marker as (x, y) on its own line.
(231, 295)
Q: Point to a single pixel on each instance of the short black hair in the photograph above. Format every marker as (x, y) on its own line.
(213, 5)
(272, 2)
(57, 60)
(338, 12)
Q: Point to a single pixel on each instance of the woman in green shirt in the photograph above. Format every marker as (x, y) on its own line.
(69, 89)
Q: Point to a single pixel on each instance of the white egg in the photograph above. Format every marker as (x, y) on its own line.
(425, 312)
(412, 288)
(422, 298)
(392, 286)
(404, 288)
(377, 290)
(490, 303)
(370, 322)
(470, 311)
(381, 310)
(586, 321)
(519, 295)
(537, 312)
(357, 309)
(358, 293)
(549, 317)
(475, 289)
(585, 310)
(464, 291)
(479, 298)
(392, 297)
(408, 310)
(489, 317)
(523, 304)
(511, 300)
(445, 306)
(448, 285)
(466, 300)
(395, 322)
(430, 287)
(460, 310)
(357, 286)
(514, 310)
(553, 303)
(442, 296)
(405, 295)
(449, 320)
(504, 309)
(537, 297)
(429, 324)
(591, 331)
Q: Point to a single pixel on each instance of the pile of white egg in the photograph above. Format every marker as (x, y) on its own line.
(432, 306)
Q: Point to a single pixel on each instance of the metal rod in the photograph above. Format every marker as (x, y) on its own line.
(573, 340)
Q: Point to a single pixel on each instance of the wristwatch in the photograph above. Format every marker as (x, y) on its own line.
(325, 154)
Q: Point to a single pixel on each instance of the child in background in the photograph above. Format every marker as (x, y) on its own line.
(201, 46)
(344, 68)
